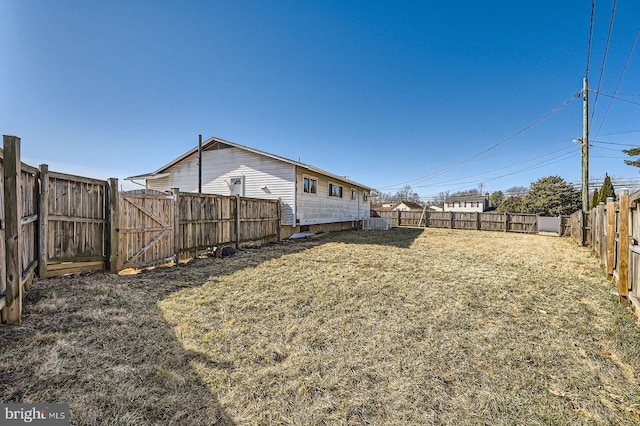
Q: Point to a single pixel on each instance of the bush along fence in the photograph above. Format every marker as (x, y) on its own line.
(53, 224)
(486, 221)
(612, 230)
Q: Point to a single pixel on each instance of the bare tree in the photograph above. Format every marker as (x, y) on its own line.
(516, 191)
(406, 194)
(441, 198)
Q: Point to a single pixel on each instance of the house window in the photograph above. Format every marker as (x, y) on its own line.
(310, 185)
(335, 190)
(354, 195)
(237, 186)
(365, 197)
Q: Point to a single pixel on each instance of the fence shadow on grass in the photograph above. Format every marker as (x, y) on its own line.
(100, 344)
(394, 237)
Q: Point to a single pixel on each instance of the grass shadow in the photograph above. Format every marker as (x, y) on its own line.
(101, 344)
(394, 237)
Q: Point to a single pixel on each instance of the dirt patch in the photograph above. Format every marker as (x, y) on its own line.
(365, 327)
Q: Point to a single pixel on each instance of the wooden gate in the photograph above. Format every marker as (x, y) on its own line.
(147, 223)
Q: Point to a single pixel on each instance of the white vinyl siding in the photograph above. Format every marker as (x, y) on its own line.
(465, 206)
(268, 178)
(264, 177)
(323, 208)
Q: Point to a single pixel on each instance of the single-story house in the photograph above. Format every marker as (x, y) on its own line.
(467, 203)
(312, 199)
(408, 206)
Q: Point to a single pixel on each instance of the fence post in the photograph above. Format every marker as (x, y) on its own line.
(279, 217)
(600, 219)
(12, 312)
(583, 227)
(506, 222)
(477, 221)
(451, 219)
(237, 236)
(611, 234)
(43, 221)
(114, 226)
(399, 218)
(177, 229)
(623, 281)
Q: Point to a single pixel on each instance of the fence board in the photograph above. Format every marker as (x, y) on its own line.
(146, 228)
(76, 222)
(3, 287)
(12, 261)
(208, 221)
(486, 221)
(67, 224)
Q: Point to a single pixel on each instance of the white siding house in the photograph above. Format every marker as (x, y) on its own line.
(408, 206)
(312, 199)
(467, 203)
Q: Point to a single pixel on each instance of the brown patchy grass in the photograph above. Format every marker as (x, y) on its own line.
(366, 327)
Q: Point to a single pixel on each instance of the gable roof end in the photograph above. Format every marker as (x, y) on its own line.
(211, 142)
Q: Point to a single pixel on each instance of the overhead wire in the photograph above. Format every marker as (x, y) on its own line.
(593, 10)
(473, 157)
(621, 99)
(526, 169)
(471, 184)
(604, 61)
(622, 133)
(612, 143)
(502, 168)
(624, 69)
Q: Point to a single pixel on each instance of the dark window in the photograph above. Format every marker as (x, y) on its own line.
(310, 185)
(335, 190)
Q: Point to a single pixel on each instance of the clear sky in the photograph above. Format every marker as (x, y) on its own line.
(385, 92)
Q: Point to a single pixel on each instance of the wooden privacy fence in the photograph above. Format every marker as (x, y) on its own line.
(53, 223)
(487, 221)
(156, 228)
(612, 230)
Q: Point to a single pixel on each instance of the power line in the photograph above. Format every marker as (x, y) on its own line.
(613, 143)
(503, 168)
(473, 157)
(593, 9)
(618, 98)
(604, 59)
(608, 149)
(633, 46)
(526, 169)
(622, 133)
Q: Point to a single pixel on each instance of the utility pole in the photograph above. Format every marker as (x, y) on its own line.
(585, 147)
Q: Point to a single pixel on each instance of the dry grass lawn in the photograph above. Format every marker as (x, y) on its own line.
(407, 326)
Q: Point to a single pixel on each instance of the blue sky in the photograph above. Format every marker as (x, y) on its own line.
(387, 93)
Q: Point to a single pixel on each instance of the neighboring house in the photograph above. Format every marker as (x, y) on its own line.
(408, 206)
(312, 199)
(384, 208)
(467, 203)
(434, 208)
